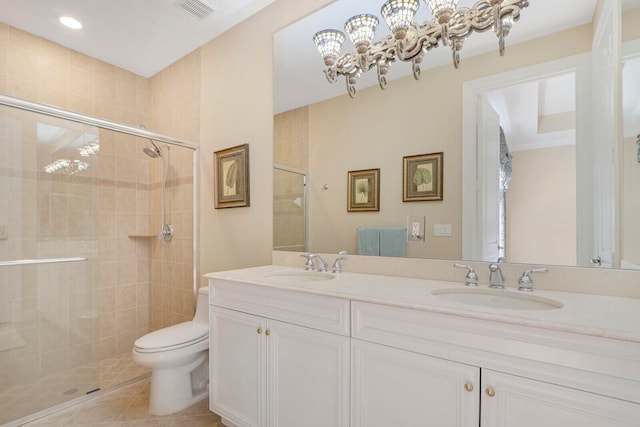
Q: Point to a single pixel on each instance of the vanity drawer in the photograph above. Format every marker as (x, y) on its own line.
(314, 311)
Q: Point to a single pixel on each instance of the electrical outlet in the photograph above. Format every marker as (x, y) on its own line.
(415, 229)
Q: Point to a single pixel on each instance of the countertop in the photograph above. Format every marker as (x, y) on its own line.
(595, 315)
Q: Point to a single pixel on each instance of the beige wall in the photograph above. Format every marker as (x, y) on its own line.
(378, 128)
(237, 108)
(541, 202)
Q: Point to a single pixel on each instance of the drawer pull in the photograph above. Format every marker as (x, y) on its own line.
(259, 330)
(491, 392)
(468, 387)
(267, 332)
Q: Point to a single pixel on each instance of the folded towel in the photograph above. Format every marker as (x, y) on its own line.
(392, 241)
(368, 241)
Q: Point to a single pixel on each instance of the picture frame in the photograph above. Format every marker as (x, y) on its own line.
(363, 190)
(231, 175)
(422, 177)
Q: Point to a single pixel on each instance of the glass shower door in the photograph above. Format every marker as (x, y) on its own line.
(48, 248)
(289, 210)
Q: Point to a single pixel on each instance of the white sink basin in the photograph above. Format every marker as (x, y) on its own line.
(299, 276)
(496, 298)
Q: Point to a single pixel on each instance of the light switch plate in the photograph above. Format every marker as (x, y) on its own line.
(442, 230)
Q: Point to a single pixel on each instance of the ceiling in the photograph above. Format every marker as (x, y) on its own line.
(142, 36)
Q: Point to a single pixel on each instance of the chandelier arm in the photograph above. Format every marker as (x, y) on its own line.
(383, 68)
(415, 68)
(456, 47)
(351, 85)
(424, 42)
(331, 74)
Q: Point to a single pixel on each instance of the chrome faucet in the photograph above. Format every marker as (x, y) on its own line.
(337, 268)
(525, 281)
(472, 277)
(309, 264)
(320, 263)
(496, 279)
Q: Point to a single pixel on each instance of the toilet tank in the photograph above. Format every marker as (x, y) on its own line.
(202, 306)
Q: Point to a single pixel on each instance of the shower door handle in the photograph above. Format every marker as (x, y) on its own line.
(39, 261)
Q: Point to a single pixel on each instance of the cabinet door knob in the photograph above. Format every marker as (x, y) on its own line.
(491, 392)
(267, 332)
(259, 330)
(468, 387)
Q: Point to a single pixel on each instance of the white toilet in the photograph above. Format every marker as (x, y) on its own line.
(179, 360)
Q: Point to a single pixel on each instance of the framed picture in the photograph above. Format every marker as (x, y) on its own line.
(364, 190)
(422, 177)
(231, 172)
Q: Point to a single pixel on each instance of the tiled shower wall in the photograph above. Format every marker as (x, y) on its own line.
(175, 100)
(128, 189)
(290, 149)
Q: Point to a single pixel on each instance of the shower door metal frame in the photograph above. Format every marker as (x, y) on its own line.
(61, 113)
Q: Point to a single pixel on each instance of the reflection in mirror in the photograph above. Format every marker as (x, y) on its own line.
(378, 128)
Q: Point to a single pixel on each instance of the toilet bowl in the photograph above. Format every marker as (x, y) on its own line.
(179, 360)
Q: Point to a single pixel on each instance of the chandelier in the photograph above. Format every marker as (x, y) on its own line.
(410, 41)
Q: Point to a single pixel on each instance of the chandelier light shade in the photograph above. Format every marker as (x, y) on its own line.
(442, 10)
(399, 14)
(329, 43)
(410, 41)
(361, 29)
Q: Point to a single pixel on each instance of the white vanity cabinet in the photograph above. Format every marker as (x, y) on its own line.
(393, 387)
(509, 400)
(278, 358)
(428, 365)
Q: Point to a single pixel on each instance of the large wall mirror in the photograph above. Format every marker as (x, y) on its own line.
(545, 120)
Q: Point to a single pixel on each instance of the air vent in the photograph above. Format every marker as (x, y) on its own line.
(196, 8)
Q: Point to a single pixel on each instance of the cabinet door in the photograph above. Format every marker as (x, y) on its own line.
(308, 377)
(237, 363)
(392, 387)
(509, 401)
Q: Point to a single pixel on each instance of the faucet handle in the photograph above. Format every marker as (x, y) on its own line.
(309, 264)
(525, 281)
(337, 268)
(472, 277)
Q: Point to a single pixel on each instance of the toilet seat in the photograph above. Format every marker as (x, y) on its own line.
(173, 337)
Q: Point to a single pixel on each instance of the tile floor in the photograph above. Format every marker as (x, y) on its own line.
(128, 406)
(115, 406)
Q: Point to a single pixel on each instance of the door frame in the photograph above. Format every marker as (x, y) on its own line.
(473, 90)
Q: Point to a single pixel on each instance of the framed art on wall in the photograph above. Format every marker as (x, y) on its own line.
(231, 171)
(422, 177)
(363, 190)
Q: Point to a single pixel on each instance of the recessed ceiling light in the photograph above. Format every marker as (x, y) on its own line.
(70, 22)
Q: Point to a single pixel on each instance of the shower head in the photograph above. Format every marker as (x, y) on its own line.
(154, 152)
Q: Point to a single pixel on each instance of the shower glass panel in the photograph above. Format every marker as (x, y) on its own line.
(48, 252)
(289, 210)
(82, 271)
